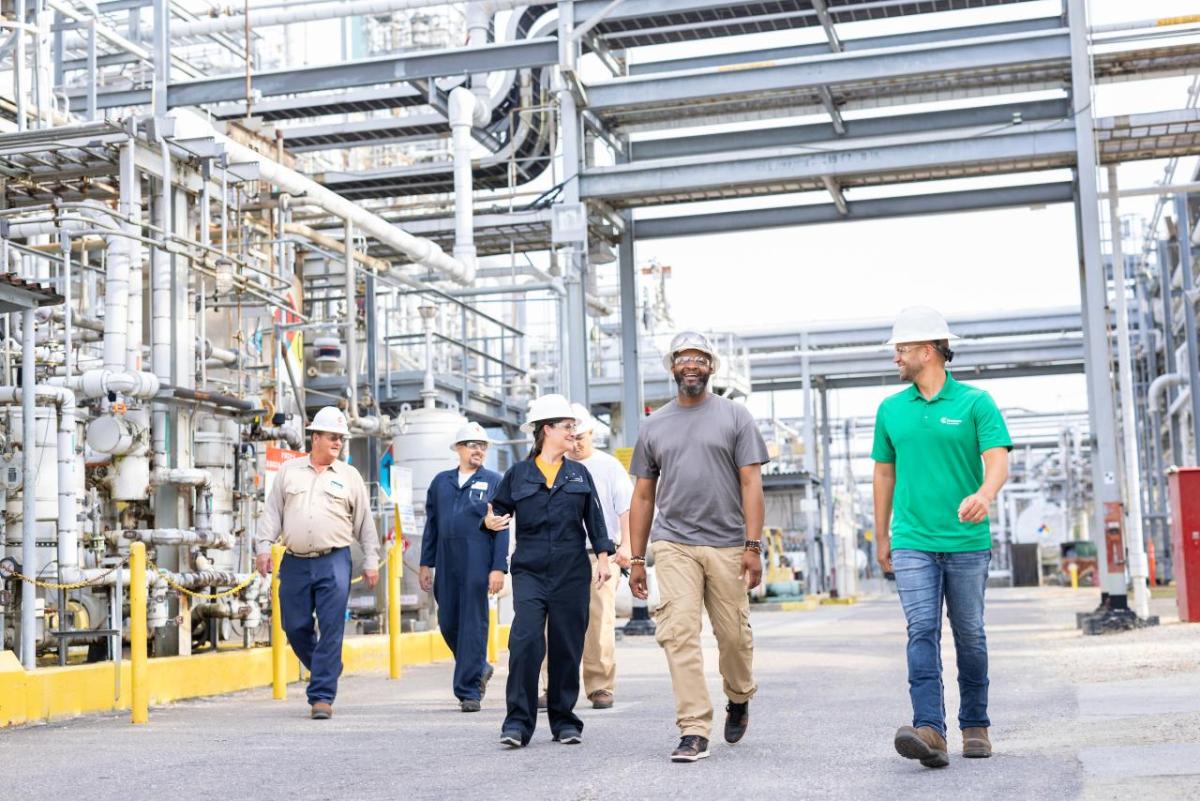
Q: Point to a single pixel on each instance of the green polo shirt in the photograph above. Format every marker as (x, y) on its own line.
(936, 446)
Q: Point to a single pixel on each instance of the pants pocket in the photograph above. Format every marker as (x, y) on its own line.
(663, 631)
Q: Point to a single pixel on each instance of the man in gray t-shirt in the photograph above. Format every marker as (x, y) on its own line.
(699, 459)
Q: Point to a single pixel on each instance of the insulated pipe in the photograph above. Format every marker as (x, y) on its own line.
(28, 497)
(462, 116)
(1160, 385)
(214, 398)
(424, 252)
(178, 536)
(116, 302)
(160, 306)
(130, 205)
(351, 329)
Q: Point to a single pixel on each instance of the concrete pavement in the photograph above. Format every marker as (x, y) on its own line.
(1073, 717)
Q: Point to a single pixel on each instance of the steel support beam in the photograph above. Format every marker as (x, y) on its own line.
(943, 59)
(676, 179)
(1028, 323)
(867, 43)
(410, 66)
(875, 209)
(894, 125)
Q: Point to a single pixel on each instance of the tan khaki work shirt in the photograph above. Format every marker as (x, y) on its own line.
(318, 511)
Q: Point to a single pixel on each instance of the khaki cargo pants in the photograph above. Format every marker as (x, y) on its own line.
(600, 642)
(692, 578)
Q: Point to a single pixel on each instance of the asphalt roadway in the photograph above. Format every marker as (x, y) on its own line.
(1072, 717)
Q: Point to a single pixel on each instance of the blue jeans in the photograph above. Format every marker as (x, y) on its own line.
(924, 580)
(314, 592)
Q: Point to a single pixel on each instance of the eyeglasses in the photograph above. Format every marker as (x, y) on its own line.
(902, 350)
(699, 361)
(474, 445)
(334, 437)
(565, 425)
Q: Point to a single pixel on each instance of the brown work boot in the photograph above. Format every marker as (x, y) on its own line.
(322, 711)
(601, 699)
(924, 744)
(976, 744)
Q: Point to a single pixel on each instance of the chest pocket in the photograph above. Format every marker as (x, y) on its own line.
(570, 502)
(337, 499)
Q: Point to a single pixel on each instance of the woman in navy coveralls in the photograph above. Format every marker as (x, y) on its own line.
(557, 510)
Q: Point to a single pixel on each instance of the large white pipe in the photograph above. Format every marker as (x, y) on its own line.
(29, 498)
(462, 116)
(426, 253)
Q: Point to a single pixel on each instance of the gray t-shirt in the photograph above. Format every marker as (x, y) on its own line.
(695, 453)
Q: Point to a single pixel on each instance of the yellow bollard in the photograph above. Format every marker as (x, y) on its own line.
(1074, 570)
(138, 668)
(493, 629)
(395, 570)
(278, 641)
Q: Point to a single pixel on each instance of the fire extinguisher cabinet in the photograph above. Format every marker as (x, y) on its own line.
(1184, 484)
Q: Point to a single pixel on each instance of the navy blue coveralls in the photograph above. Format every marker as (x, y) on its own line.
(463, 555)
(551, 574)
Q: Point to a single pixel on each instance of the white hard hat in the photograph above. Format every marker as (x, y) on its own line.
(585, 421)
(690, 340)
(330, 420)
(920, 324)
(471, 432)
(547, 407)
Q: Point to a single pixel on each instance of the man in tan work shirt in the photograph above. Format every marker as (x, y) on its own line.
(317, 507)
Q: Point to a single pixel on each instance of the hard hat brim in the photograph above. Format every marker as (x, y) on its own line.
(919, 336)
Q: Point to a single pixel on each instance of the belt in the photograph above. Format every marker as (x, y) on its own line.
(311, 554)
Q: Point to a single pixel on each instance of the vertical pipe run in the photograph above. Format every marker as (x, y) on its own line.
(1165, 287)
(1184, 232)
(351, 333)
(1135, 544)
(29, 565)
(395, 569)
(139, 688)
(278, 641)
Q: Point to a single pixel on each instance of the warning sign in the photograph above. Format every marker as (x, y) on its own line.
(624, 456)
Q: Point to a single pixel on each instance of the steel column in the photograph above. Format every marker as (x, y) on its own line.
(1094, 300)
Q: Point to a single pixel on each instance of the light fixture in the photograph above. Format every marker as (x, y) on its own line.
(600, 252)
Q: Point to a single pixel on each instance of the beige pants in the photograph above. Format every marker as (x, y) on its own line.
(600, 641)
(692, 578)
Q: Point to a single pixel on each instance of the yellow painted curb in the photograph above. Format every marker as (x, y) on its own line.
(849, 599)
(56, 692)
(807, 605)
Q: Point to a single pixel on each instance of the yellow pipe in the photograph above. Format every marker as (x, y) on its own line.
(138, 668)
(493, 630)
(395, 567)
(278, 641)
(1074, 570)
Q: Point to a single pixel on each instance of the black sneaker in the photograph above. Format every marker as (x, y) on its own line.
(691, 747)
(488, 672)
(469, 705)
(569, 736)
(737, 719)
(512, 738)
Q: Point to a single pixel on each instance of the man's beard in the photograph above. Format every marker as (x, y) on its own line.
(691, 390)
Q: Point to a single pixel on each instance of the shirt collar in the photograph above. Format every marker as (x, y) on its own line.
(948, 391)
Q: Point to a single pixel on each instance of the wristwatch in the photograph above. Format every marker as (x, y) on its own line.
(637, 560)
(754, 545)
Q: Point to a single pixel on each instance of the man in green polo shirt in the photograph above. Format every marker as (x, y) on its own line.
(941, 455)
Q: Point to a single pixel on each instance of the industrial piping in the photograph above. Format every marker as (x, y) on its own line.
(424, 252)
